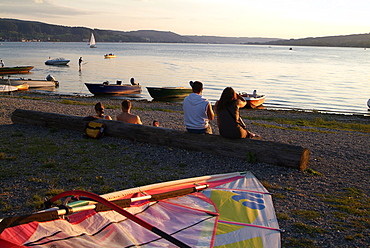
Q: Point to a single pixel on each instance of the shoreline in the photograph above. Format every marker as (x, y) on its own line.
(340, 159)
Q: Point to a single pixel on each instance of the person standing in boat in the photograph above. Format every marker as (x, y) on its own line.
(197, 111)
(80, 63)
(126, 116)
(229, 122)
(2, 63)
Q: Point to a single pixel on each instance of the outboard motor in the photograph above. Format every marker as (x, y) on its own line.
(50, 78)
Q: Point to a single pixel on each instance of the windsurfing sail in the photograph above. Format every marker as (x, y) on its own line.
(224, 210)
(92, 41)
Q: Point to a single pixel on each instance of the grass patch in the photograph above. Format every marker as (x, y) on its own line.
(301, 242)
(310, 230)
(317, 122)
(313, 172)
(351, 210)
(307, 214)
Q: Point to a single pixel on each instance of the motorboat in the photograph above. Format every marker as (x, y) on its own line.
(57, 61)
(15, 69)
(32, 83)
(117, 88)
(169, 92)
(254, 100)
(109, 56)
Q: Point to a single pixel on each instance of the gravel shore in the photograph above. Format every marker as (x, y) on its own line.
(309, 204)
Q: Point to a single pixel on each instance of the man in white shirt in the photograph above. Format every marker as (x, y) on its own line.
(197, 111)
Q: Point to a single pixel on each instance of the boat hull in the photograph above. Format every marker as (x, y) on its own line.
(168, 92)
(15, 70)
(109, 56)
(254, 102)
(24, 86)
(31, 83)
(101, 89)
(57, 62)
(7, 88)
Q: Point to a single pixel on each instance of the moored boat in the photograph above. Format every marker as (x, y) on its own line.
(368, 103)
(23, 86)
(109, 56)
(118, 88)
(92, 41)
(32, 83)
(168, 92)
(15, 69)
(57, 61)
(7, 88)
(253, 100)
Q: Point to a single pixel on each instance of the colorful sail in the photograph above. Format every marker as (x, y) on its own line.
(225, 210)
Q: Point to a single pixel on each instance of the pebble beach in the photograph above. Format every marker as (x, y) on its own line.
(309, 204)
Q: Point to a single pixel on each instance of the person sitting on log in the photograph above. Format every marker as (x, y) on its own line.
(99, 109)
(229, 122)
(126, 116)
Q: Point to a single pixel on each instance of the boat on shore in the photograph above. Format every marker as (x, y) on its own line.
(15, 69)
(169, 92)
(109, 56)
(32, 83)
(118, 88)
(253, 100)
(57, 61)
(23, 86)
(7, 88)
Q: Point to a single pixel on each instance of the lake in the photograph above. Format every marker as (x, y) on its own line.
(309, 78)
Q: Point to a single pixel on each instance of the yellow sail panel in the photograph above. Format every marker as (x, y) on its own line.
(250, 243)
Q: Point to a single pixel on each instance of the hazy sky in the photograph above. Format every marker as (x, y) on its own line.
(236, 18)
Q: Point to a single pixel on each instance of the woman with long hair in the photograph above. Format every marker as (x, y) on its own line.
(229, 122)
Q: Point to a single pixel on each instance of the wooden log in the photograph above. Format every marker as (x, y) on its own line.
(264, 151)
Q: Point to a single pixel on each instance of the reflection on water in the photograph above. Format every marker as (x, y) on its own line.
(311, 78)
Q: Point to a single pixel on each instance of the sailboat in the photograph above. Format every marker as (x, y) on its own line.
(92, 41)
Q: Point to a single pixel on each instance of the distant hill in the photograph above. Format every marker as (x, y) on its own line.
(18, 30)
(353, 40)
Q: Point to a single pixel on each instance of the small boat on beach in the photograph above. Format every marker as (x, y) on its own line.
(253, 100)
(15, 69)
(109, 56)
(169, 92)
(7, 88)
(23, 86)
(32, 83)
(57, 61)
(118, 88)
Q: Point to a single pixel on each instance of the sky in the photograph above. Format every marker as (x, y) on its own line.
(229, 18)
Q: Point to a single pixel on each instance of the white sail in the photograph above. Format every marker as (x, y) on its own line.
(92, 41)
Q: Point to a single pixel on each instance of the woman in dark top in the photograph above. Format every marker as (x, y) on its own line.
(229, 122)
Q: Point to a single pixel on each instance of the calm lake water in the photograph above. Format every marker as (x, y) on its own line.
(309, 78)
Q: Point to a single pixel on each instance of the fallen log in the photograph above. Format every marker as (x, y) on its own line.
(261, 151)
